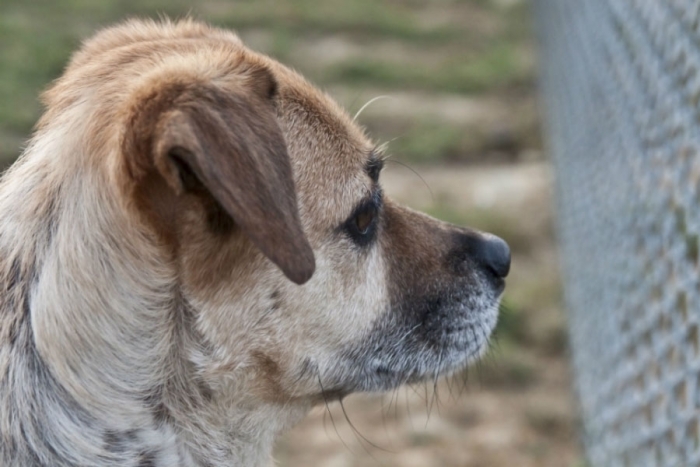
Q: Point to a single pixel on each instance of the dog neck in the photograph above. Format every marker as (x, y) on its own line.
(99, 360)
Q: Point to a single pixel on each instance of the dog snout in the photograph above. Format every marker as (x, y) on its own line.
(486, 250)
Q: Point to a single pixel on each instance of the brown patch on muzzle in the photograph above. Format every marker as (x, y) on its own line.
(423, 252)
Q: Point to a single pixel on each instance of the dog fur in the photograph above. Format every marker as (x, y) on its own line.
(153, 238)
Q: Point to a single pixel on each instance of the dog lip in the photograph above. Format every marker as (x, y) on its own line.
(330, 395)
(500, 285)
(457, 357)
(495, 283)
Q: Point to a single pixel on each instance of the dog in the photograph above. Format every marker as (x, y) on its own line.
(195, 250)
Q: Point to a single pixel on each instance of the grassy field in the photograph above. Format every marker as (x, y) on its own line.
(458, 78)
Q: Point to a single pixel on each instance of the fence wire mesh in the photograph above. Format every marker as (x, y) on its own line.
(621, 82)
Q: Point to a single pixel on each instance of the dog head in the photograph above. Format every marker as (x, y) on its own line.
(266, 198)
(257, 202)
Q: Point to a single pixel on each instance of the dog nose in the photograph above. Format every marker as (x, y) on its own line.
(493, 253)
(484, 250)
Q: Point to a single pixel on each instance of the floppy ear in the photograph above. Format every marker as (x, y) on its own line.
(229, 143)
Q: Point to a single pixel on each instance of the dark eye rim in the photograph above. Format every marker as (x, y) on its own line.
(372, 206)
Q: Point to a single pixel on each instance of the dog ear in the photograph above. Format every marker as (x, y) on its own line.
(230, 144)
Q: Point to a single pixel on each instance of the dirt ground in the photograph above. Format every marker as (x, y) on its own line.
(515, 408)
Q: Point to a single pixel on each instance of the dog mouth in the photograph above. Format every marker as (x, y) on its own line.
(427, 339)
(499, 285)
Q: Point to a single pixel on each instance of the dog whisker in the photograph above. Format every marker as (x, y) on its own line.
(408, 333)
(359, 436)
(367, 104)
(330, 414)
(432, 195)
(435, 382)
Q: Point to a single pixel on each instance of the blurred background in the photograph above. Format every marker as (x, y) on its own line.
(462, 125)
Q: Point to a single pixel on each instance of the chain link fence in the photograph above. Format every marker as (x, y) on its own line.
(621, 81)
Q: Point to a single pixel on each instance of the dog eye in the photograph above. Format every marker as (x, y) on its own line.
(362, 224)
(363, 221)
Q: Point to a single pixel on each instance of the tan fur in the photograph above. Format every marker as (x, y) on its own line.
(174, 180)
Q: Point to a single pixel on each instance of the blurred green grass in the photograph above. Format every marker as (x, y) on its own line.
(493, 68)
(474, 48)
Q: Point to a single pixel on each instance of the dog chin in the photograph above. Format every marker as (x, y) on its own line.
(410, 354)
